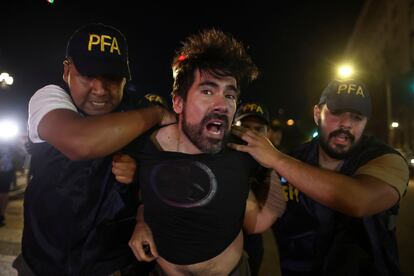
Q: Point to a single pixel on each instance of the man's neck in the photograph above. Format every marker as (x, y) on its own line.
(172, 138)
(327, 162)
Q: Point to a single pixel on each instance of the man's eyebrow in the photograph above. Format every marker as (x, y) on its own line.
(232, 87)
(214, 84)
(208, 83)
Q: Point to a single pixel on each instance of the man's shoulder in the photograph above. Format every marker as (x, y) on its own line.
(166, 137)
(240, 161)
(305, 150)
(49, 93)
(374, 147)
(50, 89)
(46, 99)
(142, 143)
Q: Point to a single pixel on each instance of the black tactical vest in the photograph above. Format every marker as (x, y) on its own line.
(77, 218)
(317, 240)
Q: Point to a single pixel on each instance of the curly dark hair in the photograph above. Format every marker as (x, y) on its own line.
(215, 52)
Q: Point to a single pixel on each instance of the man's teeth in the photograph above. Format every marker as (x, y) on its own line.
(215, 127)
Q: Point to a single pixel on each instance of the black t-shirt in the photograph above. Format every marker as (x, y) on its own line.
(194, 203)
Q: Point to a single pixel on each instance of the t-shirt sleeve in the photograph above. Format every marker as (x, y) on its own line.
(390, 168)
(46, 99)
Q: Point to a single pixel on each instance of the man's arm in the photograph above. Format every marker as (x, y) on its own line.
(90, 137)
(259, 218)
(358, 196)
(142, 243)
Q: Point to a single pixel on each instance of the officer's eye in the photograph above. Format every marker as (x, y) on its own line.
(357, 117)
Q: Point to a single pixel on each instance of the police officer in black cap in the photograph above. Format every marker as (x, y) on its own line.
(255, 116)
(343, 190)
(78, 217)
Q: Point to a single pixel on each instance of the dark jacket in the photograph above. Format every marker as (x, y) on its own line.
(316, 239)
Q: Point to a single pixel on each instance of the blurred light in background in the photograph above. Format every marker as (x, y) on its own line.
(411, 86)
(6, 78)
(8, 129)
(290, 122)
(395, 124)
(345, 71)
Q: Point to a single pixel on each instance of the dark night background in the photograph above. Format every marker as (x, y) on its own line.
(296, 45)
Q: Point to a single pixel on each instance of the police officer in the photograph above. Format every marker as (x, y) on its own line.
(343, 190)
(255, 116)
(77, 216)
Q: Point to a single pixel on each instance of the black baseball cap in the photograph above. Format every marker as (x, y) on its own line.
(252, 109)
(347, 95)
(99, 50)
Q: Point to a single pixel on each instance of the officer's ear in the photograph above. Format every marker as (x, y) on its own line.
(317, 113)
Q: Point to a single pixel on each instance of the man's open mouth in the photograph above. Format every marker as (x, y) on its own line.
(216, 127)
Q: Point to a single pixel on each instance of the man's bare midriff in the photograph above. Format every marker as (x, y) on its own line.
(220, 265)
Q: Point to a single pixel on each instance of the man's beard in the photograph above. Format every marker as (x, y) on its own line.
(335, 153)
(194, 132)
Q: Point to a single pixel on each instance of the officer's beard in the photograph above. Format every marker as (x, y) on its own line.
(339, 153)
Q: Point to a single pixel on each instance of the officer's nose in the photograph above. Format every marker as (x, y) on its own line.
(98, 87)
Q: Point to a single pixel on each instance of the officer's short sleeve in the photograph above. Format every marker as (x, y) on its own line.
(390, 168)
(46, 99)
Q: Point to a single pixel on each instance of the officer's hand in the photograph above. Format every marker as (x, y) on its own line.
(124, 168)
(258, 146)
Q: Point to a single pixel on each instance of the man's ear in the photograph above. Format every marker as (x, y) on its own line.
(178, 104)
(316, 114)
(65, 70)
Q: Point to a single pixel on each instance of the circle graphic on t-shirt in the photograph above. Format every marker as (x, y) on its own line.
(183, 183)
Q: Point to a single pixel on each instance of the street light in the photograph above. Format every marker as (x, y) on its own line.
(345, 71)
(6, 79)
(290, 122)
(8, 129)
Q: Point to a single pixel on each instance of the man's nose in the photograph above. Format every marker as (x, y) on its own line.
(220, 104)
(346, 120)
